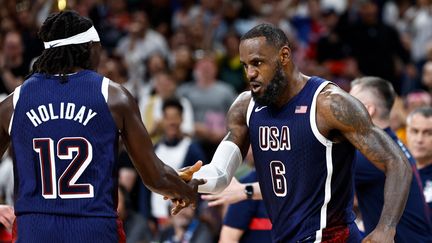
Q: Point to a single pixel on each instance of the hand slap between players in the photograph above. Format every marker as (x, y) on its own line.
(186, 174)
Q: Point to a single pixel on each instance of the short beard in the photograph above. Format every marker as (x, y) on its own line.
(274, 89)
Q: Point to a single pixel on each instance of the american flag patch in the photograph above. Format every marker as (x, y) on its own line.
(300, 109)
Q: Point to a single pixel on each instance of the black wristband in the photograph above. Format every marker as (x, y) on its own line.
(249, 191)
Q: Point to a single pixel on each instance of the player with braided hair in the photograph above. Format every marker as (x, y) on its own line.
(64, 124)
(62, 59)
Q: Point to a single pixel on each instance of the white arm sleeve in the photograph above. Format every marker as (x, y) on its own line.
(221, 169)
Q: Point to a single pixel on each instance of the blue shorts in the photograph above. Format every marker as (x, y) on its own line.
(48, 228)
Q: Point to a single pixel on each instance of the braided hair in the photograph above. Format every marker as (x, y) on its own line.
(63, 59)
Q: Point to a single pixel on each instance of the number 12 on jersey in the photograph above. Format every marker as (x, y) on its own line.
(79, 152)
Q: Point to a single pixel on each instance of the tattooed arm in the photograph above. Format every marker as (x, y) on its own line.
(340, 114)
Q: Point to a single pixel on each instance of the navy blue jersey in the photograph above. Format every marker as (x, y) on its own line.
(414, 225)
(306, 180)
(64, 140)
(249, 216)
(426, 178)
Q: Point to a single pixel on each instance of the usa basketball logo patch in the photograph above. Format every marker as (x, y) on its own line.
(300, 109)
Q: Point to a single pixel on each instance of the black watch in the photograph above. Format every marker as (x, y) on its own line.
(249, 191)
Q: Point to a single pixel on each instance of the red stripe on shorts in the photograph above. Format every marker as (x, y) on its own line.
(260, 224)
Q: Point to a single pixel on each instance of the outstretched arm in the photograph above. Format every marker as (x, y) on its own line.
(231, 150)
(340, 113)
(155, 174)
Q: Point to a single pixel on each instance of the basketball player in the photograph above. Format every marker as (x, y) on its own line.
(378, 96)
(304, 131)
(64, 124)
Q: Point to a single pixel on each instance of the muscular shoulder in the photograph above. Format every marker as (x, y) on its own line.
(338, 110)
(118, 95)
(239, 107)
(121, 103)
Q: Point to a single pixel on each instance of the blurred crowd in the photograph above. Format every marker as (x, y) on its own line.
(180, 60)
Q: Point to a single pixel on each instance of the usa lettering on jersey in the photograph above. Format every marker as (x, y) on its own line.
(274, 138)
(68, 111)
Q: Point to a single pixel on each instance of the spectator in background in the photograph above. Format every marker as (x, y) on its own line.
(183, 63)
(419, 16)
(427, 76)
(375, 45)
(210, 99)
(175, 149)
(333, 53)
(135, 226)
(151, 106)
(230, 68)
(113, 20)
(419, 136)
(13, 65)
(414, 226)
(186, 228)
(26, 15)
(412, 101)
(140, 42)
(155, 63)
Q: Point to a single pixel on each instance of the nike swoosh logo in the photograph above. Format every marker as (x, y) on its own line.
(260, 108)
(53, 45)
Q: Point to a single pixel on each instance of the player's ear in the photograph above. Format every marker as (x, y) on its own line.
(371, 110)
(285, 55)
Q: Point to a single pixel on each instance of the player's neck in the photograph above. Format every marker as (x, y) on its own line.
(296, 82)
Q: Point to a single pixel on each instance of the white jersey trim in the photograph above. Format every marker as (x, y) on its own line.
(327, 192)
(312, 119)
(15, 98)
(249, 110)
(104, 88)
(329, 162)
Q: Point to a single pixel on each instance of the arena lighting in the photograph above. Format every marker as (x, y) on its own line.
(61, 4)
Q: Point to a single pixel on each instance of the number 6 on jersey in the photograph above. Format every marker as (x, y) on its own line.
(277, 170)
(66, 147)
